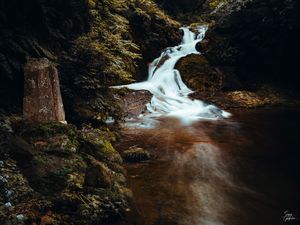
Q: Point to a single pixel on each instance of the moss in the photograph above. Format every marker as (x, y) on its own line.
(96, 143)
(46, 130)
(121, 91)
(50, 183)
(215, 3)
(54, 138)
(84, 110)
(48, 173)
(107, 52)
(92, 4)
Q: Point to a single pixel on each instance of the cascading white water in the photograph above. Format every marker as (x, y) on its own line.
(170, 94)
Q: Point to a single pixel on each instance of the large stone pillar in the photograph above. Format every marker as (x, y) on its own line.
(42, 97)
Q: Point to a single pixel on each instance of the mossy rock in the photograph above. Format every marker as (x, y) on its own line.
(96, 143)
(59, 144)
(49, 174)
(96, 110)
(135, 154)
(121, 91)
(46, 154)
(42, 131)
(198, 74)
(54, 138)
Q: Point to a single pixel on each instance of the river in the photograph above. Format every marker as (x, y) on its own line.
(240, 171)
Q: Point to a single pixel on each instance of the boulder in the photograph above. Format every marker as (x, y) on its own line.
(198, 74)
(202, 46)
(97, 144)
(42, 98)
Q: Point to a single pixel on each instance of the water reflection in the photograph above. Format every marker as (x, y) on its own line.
(211, 173)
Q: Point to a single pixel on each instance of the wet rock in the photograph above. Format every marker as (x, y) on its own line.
(264, 96)
(133, 103)
(199, 47)
(42, 98)
(136, 154)
(202, 46)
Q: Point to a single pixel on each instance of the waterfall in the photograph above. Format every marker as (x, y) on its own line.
(170, 94)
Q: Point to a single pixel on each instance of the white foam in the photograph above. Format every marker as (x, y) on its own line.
(170, 94)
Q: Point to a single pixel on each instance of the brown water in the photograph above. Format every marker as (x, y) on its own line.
(241, 171)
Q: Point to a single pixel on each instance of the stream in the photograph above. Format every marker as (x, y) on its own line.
(170, 94)
(208, 166)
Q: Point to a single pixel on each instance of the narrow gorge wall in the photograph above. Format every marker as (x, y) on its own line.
(258, 40)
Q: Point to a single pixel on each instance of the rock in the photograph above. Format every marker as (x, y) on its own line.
(8, 205)
(55, 179)
(199, 47)
(95, 143)
(20, 217)
(42, 97)
(247, 36)
(153, 30)
(198, 74)
(133, 103)
(202, 46)
(46, 155)
(98, 175)
(136, 154)
(8, 193)
(59, 144)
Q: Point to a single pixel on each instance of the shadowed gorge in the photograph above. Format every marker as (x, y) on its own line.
(149, 112)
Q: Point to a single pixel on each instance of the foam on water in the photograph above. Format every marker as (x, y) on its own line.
(170, 94)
